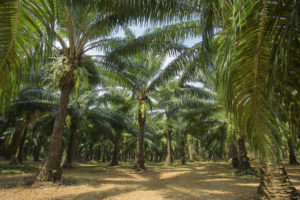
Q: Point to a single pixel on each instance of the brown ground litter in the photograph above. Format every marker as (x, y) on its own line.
(199, 180)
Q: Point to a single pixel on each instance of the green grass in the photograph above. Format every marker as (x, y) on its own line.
(10, 169)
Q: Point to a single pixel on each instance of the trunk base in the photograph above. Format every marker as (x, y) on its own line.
(292, 155)
(183, 162)
(114, 163)
(169, 161)
(50, 175)
(275, 184)
(139, 165)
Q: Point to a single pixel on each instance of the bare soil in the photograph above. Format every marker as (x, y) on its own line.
(93, 181)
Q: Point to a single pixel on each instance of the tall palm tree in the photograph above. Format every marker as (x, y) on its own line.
(86, 25)
(141, 73)
(256, 50)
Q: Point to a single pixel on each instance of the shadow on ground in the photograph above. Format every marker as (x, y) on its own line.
(200, 180)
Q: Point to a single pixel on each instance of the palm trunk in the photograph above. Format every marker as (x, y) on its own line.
(169, 159)
(108, 156)
(292, 156)
(243, 160)
(182, 152)
(98, 154)
(52, 169)
(233, 154)
(156, 156)
(197, 150)
(71, 144)
(114, 160)
(103, 158)
(124, 153)
(275, 184)
(19, 154)
(139, 159)
(36, 152)
(37, 149)
(6, 147)
(14, 144)
(191, 150)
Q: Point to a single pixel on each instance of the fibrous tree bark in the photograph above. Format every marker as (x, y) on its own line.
(182, 151)
(274, 183)
(103, 152)
(13, 143)
(243, 160)
(139, 159)
(114, 160)
(197, 150)
(191, 150)
(292, 156)
(156, 159)
(233, 154)
(169, 159)
(37, 148)
(19, 154)
(71, 144)
(52, 169)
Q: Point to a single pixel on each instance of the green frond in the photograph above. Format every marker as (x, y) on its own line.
(247, 62)
(24, 24)
(174, 67)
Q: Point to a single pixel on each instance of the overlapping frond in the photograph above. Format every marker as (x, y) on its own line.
(246, 60)
(23, 25)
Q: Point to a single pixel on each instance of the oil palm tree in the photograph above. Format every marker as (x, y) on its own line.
(86, 25)
(257, 56)
(32, 105)
(113, 112)
(21, 21)
(141, 73)
(254, 36)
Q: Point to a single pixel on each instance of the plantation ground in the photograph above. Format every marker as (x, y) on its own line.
(91, 181)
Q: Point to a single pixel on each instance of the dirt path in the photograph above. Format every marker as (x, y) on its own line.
(199, 181)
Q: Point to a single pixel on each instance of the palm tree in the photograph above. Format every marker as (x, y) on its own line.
(252, 36)
(86, 25)
(102, 17)
(141, 73)
(32, 105)
(168, 109)
(113, 113)
(254, 49)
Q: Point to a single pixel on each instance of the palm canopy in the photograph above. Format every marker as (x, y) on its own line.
(262, 37)
(26, 28)
(246, 71)
(26, 23)
(142, 71)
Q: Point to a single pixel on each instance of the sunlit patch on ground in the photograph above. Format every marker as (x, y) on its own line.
(199, 180)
